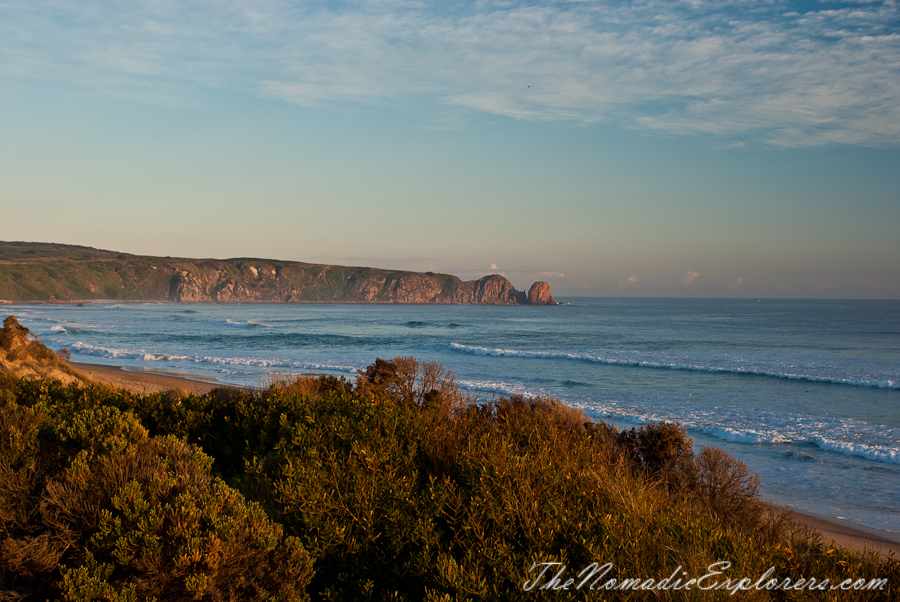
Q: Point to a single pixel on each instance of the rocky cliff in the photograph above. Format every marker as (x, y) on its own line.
(46, 272)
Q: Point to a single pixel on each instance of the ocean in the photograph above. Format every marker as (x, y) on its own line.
(805, 392)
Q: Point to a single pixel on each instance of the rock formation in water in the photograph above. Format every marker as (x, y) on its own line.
(48, 272)
(539, 294)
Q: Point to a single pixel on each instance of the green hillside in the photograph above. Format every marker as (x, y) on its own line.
(35, 272)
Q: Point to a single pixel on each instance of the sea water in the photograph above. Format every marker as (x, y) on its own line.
(806, 393)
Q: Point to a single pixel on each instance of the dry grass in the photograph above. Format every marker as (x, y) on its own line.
(23, 353)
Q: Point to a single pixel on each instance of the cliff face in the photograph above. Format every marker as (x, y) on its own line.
(36, 272)
(364, 285)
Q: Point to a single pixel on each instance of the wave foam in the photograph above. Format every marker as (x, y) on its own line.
(130, 354)
(247, 324)
(148, 356)
(878, 453)
(716, 364)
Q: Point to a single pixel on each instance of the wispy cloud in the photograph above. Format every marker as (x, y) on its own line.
(629, 282)
(780, 71)
(689, 278)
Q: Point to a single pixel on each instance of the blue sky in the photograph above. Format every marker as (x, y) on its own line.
(693, 148)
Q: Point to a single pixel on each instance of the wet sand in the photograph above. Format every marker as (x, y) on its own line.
(840, 531)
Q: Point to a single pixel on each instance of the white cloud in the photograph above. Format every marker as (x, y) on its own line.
(493, 266)
(551, 275)
(767, 70)
(689, 278)
(629, 282)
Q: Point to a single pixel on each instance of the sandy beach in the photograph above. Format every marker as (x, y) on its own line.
(846, 533)
(840, 531)
(143, 382)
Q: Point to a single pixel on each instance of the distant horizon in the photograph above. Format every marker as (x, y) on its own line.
(519, 286)
(701, 149)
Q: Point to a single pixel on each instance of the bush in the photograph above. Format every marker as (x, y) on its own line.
(662, 451)
(408, 380)
(95, 509)
(396, 492)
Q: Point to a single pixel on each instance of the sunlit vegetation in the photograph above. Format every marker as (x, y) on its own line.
(395, 486)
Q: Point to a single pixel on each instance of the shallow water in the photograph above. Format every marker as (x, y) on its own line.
(807, 393)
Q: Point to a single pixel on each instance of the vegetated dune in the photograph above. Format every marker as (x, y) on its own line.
(24, 355)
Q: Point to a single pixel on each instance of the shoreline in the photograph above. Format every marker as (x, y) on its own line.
(848, 533)
(841, 531)
(144, 381)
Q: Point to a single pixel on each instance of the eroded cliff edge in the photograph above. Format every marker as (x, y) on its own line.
(49, 272)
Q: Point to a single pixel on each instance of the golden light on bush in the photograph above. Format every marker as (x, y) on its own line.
(399, 486)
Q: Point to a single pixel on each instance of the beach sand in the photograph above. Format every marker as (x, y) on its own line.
(846, 533)
(840, 531)
(139, 381)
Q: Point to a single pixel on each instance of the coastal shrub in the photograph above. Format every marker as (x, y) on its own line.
(411, 381)
(662, 451)
(312, 385)
(727, 487)
(713, 480)
(392, 492)
(94, 509)
(396, 500)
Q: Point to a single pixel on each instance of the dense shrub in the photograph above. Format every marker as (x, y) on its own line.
(662, 451)
(397, 488)
(94, 509)
(408, 380)
(713, 480)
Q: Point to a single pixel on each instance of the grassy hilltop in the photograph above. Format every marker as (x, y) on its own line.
(395, 487)
(51, 272)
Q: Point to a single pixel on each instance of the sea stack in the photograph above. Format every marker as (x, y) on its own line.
(539, 294)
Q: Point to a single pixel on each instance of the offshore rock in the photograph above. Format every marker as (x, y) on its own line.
(539, 294)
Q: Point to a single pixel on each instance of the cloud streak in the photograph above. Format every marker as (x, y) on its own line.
(771, 71)
(689, 278)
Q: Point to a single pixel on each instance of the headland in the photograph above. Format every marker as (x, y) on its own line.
(45, 272)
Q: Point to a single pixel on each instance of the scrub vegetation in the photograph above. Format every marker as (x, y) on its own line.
(397, 486)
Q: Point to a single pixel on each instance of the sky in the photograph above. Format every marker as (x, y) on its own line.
(732, 148)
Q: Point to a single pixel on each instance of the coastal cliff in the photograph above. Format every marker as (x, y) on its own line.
(51, 272)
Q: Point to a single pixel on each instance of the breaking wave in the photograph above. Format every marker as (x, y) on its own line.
(698, 362)
(148, 356)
